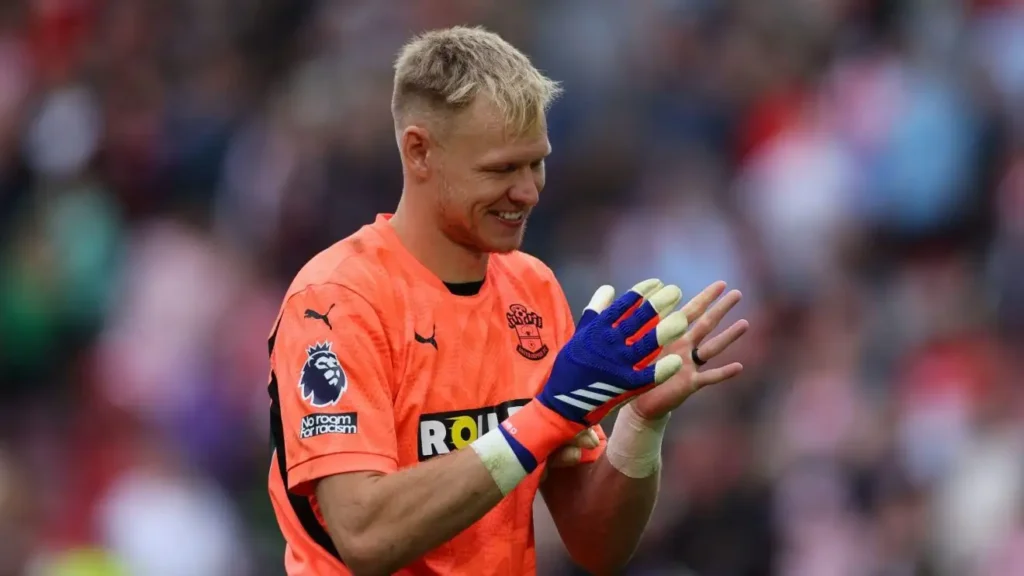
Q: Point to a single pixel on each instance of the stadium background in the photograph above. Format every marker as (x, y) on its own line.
(855, 167)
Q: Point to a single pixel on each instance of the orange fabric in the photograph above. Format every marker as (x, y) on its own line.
(538, 427)
(424, 372)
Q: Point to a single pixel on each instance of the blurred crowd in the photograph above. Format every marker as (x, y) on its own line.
(855, 167)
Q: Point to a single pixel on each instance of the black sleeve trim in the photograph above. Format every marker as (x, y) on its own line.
(300, 504)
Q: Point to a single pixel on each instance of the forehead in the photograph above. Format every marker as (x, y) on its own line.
(481, 132)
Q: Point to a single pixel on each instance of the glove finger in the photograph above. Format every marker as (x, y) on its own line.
(671, 328)
(602, 299)
(644, 347)
(647, 287)
(667, 367)
(656, 305)
(623, 305)
(666, 299)
(599, 302)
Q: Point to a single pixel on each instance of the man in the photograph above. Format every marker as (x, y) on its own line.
(399, 350)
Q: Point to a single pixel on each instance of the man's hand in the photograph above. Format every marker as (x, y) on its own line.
(607, 361)
(660, 400)
(601, 509)
(571, 453)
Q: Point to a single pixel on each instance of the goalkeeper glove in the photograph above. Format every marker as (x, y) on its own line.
(605, 363)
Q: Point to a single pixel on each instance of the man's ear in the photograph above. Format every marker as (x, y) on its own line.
(416, 144)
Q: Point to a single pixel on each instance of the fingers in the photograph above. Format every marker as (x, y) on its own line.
(572, 453)
(565, 457)
(666, 299)
(669, 330)
(647, 287)
(698, 305)
(706, 323)
(719, 343)
(683, 388)
(623, 304)
(716, 375)
(667, 367)
(588, 439)
(658, 304)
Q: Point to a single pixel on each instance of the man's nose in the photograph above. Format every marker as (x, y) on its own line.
(526, 190)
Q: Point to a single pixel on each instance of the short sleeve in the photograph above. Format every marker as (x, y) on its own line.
(331, 361)
(566, 328)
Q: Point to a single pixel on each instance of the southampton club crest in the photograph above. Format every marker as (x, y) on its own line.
(323, 379)
(527, 326)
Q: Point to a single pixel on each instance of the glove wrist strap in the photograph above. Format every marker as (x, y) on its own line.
(535, 431)
(515, 449)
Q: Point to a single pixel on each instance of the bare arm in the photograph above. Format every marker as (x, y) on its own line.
(600, 513)
(381, 522)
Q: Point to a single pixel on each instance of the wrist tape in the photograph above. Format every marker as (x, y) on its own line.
(515, 448)
(634, 448)
(500, 460)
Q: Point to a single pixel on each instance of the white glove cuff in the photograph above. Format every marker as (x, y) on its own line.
(634, 447)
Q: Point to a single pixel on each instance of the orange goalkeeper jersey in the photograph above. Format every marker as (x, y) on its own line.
(377, 366)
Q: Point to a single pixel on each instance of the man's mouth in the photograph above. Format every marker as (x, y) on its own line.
(510, 218)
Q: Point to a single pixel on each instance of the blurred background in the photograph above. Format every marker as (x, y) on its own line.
(855, 167)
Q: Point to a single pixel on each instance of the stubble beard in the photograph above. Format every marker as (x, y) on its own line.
(459, 227)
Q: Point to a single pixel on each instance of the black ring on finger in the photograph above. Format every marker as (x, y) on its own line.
(696, 359)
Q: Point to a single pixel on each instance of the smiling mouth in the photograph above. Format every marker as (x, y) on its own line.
(510, 218)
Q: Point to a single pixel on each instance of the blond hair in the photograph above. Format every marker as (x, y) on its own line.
(446, 69)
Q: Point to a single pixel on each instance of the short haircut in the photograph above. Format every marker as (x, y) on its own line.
(444, 71)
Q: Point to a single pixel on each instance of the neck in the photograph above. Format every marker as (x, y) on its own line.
(424, 239)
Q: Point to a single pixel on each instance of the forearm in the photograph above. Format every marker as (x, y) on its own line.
(392, 519)
(601, 513)
(614, 496)
(380, 523)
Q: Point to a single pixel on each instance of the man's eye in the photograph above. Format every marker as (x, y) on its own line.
(504, 169)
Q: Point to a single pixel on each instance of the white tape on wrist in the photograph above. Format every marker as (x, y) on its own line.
(634, 447)
(500, 460)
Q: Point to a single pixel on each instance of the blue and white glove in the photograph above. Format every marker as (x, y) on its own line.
(606, 362)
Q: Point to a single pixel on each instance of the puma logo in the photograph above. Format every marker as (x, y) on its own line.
(428, 340)
(310, 313)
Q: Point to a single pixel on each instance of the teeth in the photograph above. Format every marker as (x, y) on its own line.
(512, 216)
